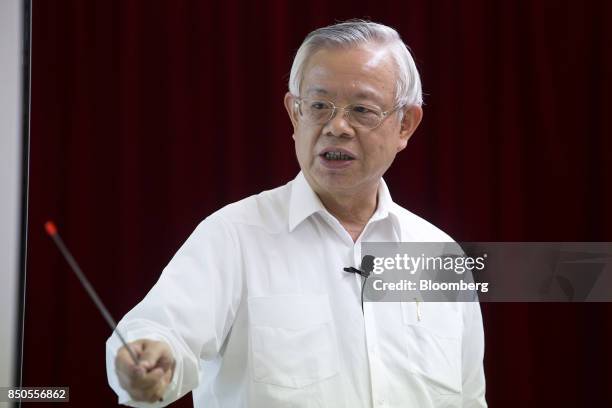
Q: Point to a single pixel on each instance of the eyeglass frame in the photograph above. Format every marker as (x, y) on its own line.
(384, 114)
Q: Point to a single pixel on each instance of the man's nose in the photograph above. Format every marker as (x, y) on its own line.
(339, 124)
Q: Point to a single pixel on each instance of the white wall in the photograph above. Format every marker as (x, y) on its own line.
(10, 183)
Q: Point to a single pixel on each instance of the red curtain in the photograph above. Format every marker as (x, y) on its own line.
(149, 115)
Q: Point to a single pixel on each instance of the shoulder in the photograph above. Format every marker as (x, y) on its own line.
(268, 210)
(415, 228)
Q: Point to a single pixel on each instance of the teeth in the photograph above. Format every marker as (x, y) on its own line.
(336, 156)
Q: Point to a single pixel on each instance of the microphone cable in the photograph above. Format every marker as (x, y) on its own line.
(365, 276)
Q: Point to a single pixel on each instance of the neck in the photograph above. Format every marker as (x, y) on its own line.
(353, 211)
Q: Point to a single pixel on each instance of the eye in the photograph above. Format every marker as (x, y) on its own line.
(363, 110)
(318, 105)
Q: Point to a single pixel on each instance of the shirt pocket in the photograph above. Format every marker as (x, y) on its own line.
(292, 340)
(433, 337)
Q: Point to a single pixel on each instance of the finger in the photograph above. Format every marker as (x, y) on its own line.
(152, 387)
(129, 370)
(160, 388)
(139, 379)
(167, 377)
(124, 360)
(147, 380)
(123, 366)
(153, 354)
(137, 346)
(131, 383)
(166, 362)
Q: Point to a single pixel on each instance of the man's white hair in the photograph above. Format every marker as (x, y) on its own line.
(353, 33)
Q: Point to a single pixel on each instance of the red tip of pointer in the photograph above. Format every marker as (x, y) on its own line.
(50, 228)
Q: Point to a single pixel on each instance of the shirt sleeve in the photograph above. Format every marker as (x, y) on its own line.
(472, 357)
(191, 307)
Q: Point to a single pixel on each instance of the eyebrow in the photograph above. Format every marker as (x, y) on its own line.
(317, 90)
(362, 94)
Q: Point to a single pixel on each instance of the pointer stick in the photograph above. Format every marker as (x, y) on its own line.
(52, 231)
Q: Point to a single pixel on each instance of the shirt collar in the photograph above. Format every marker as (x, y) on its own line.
(304, 202)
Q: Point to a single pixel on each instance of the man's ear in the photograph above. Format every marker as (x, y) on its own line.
(410, 121)
(291, 108)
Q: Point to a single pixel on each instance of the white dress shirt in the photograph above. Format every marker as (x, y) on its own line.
(259, 313)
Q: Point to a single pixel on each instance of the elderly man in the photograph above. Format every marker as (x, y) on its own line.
(255, 310)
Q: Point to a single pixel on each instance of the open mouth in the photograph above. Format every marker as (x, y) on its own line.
(335, 155)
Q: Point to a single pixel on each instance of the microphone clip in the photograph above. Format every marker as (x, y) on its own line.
(352, 269)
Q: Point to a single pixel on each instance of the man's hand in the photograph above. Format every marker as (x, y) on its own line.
(148, 380)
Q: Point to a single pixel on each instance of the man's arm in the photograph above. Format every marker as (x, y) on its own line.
(191, 308)
(473, 378)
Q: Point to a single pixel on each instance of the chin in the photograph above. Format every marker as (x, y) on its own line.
(335, 181)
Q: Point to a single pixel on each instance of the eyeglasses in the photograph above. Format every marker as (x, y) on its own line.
(319, 112)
